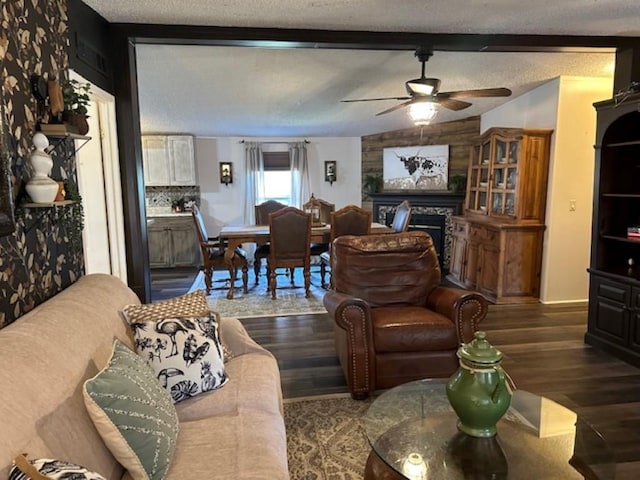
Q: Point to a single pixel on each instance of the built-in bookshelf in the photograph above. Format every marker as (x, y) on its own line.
(614, 290)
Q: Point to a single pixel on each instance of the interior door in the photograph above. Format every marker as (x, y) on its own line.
(98, 170)
(95, 237)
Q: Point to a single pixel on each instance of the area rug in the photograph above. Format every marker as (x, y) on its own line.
(325, 439)
(258, 303)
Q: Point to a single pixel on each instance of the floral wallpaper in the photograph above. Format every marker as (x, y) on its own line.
(43, 255)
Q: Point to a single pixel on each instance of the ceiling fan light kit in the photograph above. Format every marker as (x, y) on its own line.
(422, 86)
(424, 93)
(422, 112)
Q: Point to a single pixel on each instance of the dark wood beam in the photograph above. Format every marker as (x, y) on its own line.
(346, 39)
(131, 172)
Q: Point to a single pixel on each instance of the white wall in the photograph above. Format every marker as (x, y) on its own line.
(564, 104)
(568, 245)
(225, 205)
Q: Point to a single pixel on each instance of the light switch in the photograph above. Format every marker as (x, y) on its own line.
(572, 205)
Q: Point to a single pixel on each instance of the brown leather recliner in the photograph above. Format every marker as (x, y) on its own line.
(394, 322)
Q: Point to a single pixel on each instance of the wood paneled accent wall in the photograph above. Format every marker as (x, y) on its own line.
(459, 135)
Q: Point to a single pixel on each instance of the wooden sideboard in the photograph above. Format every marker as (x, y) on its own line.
(432, 212)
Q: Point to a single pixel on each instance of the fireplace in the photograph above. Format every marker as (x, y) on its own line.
(431, 213)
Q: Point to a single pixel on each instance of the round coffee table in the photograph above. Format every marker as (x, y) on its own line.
(413, 434)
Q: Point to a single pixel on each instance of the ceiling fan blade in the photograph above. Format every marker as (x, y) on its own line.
(452, 104)
(397, 107)
(375, 99)
(482, 92)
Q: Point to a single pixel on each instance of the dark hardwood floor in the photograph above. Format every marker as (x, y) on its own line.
(544, 353)
(171, 282)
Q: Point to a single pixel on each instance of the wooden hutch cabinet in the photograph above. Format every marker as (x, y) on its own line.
(497, 244)
(614, 287)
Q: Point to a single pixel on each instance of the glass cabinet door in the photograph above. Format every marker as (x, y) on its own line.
(493, 177)
(502, 158)
(501, 152)
(479, 177)
(513, 152)
(503, 177)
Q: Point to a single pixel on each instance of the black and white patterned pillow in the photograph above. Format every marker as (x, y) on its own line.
(192, 304)
(51, 469)
(184, 352)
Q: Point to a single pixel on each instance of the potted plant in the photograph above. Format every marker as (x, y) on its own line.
(458, 183)
(372, 183)
(76, 99)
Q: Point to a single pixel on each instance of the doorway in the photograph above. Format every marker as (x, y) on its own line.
(98, 171)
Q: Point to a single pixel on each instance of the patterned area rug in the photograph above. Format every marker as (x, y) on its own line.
(325, 440)
(258, 303)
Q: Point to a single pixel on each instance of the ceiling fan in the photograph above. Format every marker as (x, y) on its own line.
(426, 90)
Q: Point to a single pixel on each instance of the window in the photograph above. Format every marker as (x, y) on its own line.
(277, 177)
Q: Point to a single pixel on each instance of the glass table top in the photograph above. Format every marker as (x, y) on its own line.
(412, 428)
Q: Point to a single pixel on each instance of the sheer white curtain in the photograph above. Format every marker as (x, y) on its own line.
(300, 184)
(254, 179)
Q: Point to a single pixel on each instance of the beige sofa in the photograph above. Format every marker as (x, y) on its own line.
(236, 432)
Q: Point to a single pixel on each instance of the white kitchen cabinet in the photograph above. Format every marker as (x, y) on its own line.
(155, 160)
(182, 164)
(168, 160)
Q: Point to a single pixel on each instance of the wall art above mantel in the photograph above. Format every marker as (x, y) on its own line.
(416, 168)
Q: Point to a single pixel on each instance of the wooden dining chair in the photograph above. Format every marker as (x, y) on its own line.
(349, 220)
(213, 256)
(290, 239)
(321, 209)
(262, 212)
(402, 217)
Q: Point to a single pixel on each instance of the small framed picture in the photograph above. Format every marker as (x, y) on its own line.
(330, 174)
(226, 173)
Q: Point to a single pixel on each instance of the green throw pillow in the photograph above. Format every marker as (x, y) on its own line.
(134, 414)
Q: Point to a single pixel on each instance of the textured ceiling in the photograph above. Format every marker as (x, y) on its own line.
(566, 17)
(242, 91)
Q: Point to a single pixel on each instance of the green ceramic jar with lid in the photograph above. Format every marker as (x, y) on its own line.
(478, 391)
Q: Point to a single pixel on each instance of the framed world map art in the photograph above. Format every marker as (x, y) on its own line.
(416, 168)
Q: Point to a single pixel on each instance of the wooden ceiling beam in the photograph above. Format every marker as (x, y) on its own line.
(344, 39)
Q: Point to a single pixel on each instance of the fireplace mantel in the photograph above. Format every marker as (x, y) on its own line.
(427, 206)
(417, 198)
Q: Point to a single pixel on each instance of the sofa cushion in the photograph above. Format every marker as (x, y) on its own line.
(133, 414)
(247, 446)
(25, 469)
(254, 385)
(192, 304)
(184, 353)
(412, 329)
(47, 355)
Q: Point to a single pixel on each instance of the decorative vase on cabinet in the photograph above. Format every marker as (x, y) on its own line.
(497, 244)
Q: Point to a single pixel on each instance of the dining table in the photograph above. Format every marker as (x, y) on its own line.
(235, 235)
